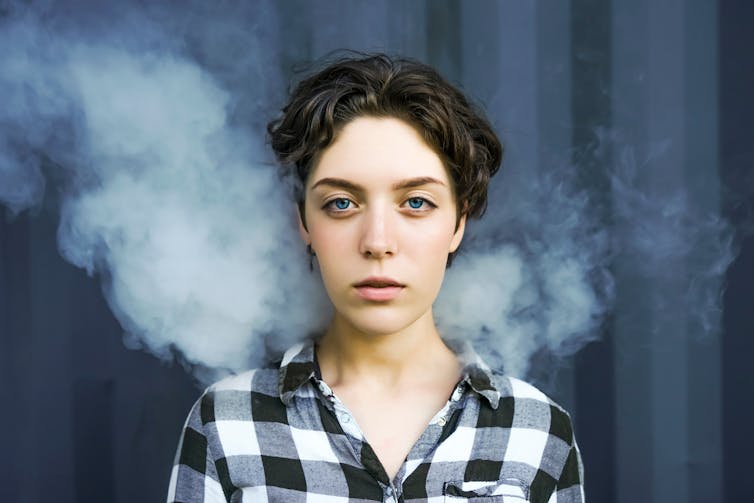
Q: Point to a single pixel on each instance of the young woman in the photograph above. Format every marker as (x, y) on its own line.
(389, 161)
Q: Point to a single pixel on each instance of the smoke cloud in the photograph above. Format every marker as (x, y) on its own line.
(151, 133)
(177, 210)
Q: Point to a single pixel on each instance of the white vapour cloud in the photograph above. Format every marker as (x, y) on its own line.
(193, 231)
(182, 216)
(542, 285)
(180, 213)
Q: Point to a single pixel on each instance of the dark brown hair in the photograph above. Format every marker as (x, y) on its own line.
(382, 86)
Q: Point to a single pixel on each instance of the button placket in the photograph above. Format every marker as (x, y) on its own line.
(391, 495)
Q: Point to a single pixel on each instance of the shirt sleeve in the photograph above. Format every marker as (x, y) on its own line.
(194, 476)
(570, 485)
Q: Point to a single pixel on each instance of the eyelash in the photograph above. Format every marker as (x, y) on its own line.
(329, 206)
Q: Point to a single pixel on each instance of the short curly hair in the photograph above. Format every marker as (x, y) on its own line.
(379, 85)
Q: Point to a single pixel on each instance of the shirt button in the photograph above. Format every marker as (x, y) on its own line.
(345, 418)
(441, 421)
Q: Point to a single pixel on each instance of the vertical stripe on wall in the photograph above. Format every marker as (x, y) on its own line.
(591, 107)
(701, 173)
(736, 40)
(664, 111)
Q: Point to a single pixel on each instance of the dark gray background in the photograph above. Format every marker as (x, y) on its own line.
(660, 416)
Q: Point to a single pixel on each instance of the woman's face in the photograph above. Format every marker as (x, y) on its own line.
(380, 204)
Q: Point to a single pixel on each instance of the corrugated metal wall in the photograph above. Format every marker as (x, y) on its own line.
(662, 409)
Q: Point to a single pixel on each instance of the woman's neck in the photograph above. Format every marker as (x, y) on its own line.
(416, 353)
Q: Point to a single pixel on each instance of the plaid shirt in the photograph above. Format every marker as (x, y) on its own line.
(282, 435)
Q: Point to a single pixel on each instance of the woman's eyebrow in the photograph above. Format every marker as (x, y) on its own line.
(402, 184)
(339, 183)
(410, 183)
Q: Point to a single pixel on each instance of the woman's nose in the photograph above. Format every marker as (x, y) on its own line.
(378, 234)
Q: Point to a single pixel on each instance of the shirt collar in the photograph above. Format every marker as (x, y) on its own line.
(299, 366)
(475, 371)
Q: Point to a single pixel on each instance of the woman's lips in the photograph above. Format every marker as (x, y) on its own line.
(381, 294)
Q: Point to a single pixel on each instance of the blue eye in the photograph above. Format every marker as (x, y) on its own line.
(340, 203)
(416, 202)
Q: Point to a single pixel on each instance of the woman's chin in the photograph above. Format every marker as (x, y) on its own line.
(380, 322)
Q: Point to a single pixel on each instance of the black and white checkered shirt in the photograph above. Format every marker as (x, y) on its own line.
(281, 435)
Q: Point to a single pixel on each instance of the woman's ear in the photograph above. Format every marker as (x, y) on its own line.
(301, 226)
(458, 236)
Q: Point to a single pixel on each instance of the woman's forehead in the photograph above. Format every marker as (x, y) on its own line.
(380, 152)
